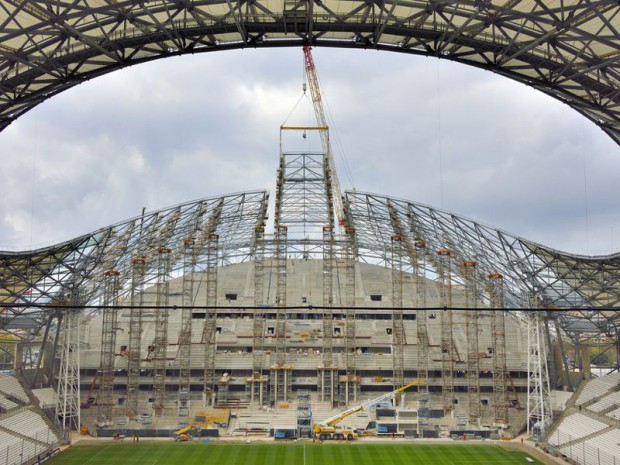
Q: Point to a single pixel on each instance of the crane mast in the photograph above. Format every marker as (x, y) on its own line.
(333, 185)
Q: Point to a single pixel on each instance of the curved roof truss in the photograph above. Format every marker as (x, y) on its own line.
(586, 288)
(32, 281)
(561, 279)
(569, 49)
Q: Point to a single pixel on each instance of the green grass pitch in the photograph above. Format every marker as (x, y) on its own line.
(356, 453)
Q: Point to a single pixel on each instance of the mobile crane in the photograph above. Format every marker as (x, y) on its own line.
(327, 429)
(186, 433)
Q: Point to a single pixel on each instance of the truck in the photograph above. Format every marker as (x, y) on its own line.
(328, 429)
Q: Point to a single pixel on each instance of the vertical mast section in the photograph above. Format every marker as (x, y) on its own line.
(498, 335)
(108, 344)
(280, 256)
(185, 335)
(134, 358)
(539, 415)
(352, 380)
(398, 331)
(68, 403)
(281, 381)
(160, 344)
(447, 337)
(415, 251)
(419, 264)
(257, 382)
(210, 327)
(473, 362)
(326, 369)
(328, 295)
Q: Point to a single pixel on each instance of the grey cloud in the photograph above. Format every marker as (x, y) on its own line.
(184, 128)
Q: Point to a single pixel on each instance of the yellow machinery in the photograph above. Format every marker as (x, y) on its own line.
(185, 434)
(327, 429)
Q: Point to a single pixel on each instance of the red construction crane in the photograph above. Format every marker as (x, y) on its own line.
(331, 175)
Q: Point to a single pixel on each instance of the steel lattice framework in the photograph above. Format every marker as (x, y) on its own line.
(569, 49)
(32, 282)
(586, 289)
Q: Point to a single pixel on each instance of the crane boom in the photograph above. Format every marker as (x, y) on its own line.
(330, 424)
(333, 185)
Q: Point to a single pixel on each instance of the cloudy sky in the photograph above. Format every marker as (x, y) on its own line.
(422, 129)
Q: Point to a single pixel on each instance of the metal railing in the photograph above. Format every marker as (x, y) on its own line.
(23, 450)
(581, 451)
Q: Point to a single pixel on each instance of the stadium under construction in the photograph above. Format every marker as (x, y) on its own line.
(253, 313)
(158, 319)
(173, 317)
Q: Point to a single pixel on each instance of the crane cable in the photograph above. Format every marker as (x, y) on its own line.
(585, 185)
(336, 138)
(34, 173)
(332, 124)
(334, 131)
(294, 108)
(439, 141)
(301, 97)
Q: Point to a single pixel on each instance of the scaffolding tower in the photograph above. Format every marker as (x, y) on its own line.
(539, 414)
(472, 373)
(350, 382)
(209, 332)
(138, 273)
(304, 414)
(447, 336)
(498, 345)
(280, 257)
(281, 379)
(105, 401)
(160, 343)
(68, 400)
(419, 276)
(398, 329)
(256, 384)
(327, 372)
(185, 334)
(416, 253)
